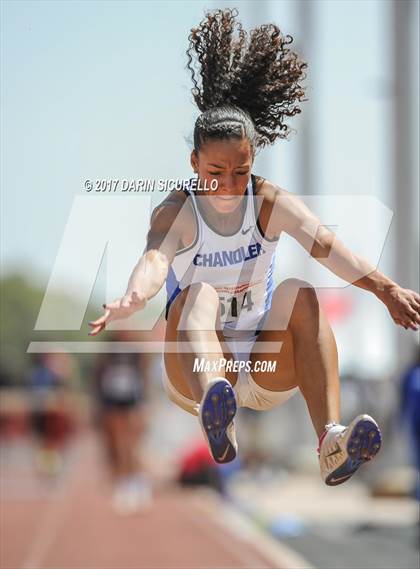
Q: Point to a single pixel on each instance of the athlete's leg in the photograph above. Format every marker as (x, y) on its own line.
(116, 436)
(308, 357)
(194, 324)
(194, 320)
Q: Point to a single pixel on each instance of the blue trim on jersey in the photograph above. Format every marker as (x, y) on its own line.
(269, 295)
(172, 289)
(270, 285)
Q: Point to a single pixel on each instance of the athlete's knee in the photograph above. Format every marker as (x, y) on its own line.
(306, 304)
(196, 296)
(205, 291)
(295, 284)
(296, 299)
(197, 306)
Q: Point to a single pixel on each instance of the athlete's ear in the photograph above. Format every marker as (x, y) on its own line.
(194, 161)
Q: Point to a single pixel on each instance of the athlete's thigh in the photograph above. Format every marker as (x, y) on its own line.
(282, 377)
(173, 365)
(276, 329)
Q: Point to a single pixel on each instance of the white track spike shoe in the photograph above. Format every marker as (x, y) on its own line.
(344, 449)
(217, 410)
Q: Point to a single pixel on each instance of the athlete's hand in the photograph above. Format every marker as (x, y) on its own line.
(404, 306)
(117, 310)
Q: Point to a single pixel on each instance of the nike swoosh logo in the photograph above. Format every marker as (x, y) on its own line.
(340, 478)
(336, 451)
(224, 454)
(245, 231)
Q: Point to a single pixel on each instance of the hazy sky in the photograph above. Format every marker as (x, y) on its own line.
(99, 90)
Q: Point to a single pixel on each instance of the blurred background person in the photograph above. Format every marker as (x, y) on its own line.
(52, 418)
(120, 380)
(197, 467)
(410, 412)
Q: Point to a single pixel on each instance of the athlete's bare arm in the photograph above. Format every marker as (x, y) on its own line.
(282, 211)
(172, 227)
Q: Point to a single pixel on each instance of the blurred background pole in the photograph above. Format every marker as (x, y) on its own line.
(307, 176)
(405, 158)
(253, 14)
(299, 20)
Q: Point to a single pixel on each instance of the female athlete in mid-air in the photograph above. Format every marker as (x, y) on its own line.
(215, 250)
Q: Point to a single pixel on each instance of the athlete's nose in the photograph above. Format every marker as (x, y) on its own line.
(227, 185)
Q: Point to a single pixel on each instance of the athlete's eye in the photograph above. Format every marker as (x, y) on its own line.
(242, 173)
(214, 173)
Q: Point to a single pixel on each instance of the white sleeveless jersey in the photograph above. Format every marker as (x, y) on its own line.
(239, 266)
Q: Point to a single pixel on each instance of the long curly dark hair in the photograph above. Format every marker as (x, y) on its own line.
(244, 84)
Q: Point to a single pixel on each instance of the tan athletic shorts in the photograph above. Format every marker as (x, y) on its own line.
(248, 393)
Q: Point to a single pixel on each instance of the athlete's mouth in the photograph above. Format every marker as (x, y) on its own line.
(226, 198)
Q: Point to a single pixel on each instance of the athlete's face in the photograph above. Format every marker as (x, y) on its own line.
(229, 162)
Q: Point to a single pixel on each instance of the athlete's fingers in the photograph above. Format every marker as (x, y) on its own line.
(400, 323)
(415, 321)
(114, 304)
(96, 330)
(93, 324)
(100, 320)
(412, 314)
(97, 322)
(414, 301)
(409, 323)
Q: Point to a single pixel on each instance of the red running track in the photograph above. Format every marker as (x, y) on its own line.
(72, 525)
